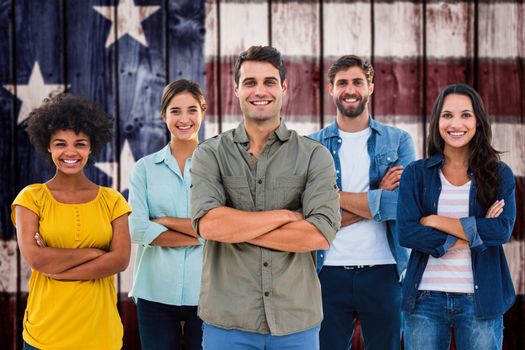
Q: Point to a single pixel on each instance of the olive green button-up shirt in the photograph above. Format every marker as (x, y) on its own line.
(245, 286)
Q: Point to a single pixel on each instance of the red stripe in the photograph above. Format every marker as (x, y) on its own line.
(398, 86)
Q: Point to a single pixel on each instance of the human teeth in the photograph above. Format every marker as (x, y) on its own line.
(184, 127)
(260, 102)
(457, 133)
(70, 161)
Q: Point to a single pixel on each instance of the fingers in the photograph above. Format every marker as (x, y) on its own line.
(391, 179)
(495, 209)
(39, 241)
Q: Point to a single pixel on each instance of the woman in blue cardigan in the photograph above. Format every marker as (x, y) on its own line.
(456, 209)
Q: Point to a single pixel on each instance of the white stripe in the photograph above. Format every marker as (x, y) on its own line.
(398, 29)
(295, 28)
(347, 29)
(302, 124)
(507, 137)
(499, 34)
(450, 29)
(242, 25)
(409, 124)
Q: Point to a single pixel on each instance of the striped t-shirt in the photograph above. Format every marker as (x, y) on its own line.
(453, 271)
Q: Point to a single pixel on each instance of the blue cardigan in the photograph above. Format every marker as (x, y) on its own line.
(418, 196)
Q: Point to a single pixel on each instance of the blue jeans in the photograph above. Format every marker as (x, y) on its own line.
(215, 338)
(429, 325)
(160, 326)
(26, 346)
(372, 294)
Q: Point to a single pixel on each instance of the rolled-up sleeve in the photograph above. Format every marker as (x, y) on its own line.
(483, 232)
(320, 199)
(142, 229)
(206, 190)
(383, 203)
(412, 234)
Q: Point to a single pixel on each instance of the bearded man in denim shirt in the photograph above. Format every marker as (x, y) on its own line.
(361, 272)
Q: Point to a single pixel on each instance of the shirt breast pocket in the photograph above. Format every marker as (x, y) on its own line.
(289, 192)
(386, 160)
(237, 192)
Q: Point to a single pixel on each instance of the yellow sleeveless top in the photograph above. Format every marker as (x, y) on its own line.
(72, 314)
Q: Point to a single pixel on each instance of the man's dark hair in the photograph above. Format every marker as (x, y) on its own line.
(68, 112)
(349, 61)
(261, 54)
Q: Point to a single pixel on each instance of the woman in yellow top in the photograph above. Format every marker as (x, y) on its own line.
(73, 233)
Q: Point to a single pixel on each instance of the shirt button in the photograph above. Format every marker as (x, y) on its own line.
(333, 152)
(337, 171)
(265, 264)
(266, 294)
(339, 140)
(476, 286)
(321, 255)
(260, 181)
(389, 159)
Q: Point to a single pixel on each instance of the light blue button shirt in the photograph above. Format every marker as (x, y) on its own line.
(157, 189)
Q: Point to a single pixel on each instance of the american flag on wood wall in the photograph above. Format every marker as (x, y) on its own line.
(120, 53)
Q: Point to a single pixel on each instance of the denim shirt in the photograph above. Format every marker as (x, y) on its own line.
(418, 196)
(387, 147)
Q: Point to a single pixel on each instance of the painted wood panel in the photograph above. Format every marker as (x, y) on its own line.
(399, 69)
(296, 35)
(416, 48)
(7, 119)
(38, 74)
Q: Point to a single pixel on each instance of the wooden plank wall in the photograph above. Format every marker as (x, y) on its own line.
(417, 47)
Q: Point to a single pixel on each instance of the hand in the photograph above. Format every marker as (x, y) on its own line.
(391, 179)
(39, 241)
(426, 220)
(158, 220)
(460, 244)
(297, 215)
(495, 209)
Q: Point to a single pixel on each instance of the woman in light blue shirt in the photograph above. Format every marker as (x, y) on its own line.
(167, 270)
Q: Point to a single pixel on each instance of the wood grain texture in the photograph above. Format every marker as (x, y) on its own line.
(141, 76)
(7, 121)
(90, 68)
(296, 34)
(186, 42)
(39, 38)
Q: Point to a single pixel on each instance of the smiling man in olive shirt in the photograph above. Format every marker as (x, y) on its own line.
(265, 199)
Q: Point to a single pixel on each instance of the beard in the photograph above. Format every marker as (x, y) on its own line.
(352, 112)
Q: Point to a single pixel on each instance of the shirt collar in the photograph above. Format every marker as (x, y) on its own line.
(436, 159)
(240, 136)
(333, 130)
(162, 155)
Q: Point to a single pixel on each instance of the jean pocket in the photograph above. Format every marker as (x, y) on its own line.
(421, 295)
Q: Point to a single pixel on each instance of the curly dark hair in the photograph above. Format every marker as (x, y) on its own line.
(484, 159)
(68, 112)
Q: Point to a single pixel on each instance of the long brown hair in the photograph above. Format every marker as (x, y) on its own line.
(484, 159)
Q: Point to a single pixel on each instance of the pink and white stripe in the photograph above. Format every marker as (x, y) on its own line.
(453, 271)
